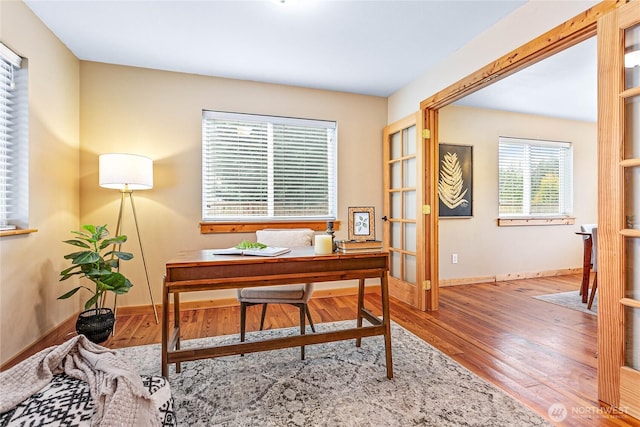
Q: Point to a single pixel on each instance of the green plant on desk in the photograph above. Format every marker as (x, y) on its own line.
(248, 244)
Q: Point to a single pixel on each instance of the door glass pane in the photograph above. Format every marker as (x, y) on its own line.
(410, 268)
(396, 236)
(632, 197)
(396, 181)
(632, 338)
(632, 255)
(396, 204)
(396, 146)
(410, 204)
(632, 129)
(632, 290)
(409, 141)
(410, 237)
(632, 57)
(394, 267)
(409, 172)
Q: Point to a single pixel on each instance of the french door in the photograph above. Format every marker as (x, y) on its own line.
(619, 208)
(405, 211)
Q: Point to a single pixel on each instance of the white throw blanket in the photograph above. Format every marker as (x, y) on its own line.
(118, 393)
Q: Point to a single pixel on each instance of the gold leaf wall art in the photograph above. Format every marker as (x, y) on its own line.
(454, 182)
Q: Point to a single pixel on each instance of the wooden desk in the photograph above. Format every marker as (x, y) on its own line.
(201, 271)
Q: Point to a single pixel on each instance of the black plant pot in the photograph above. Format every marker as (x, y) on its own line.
(96, 325)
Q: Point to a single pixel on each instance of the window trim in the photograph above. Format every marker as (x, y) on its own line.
(17, 219)
(541, 219)
(251, 227)
(315, 222)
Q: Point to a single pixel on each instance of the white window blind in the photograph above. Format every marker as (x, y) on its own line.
(11, 133)
(535, 177)
(267, 168)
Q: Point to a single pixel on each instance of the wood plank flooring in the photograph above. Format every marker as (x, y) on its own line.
(537, 352)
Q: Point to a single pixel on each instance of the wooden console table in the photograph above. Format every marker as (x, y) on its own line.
(202, 271)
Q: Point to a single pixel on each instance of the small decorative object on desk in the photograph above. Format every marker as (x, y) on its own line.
(323, 244)
(362, 223)
(331, 233)
(350, 246)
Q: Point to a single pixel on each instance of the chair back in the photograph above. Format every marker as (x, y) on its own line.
(586, 228)
(286, 237)
(594, 249)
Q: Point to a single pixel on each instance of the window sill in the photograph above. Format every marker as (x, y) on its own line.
(512, 222)
(249, 227)
(17, 232)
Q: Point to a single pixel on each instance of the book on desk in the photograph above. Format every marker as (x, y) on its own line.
(351, 246)
(268, 251)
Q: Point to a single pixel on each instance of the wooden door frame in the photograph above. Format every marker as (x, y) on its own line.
(565, 35)
(617, 384)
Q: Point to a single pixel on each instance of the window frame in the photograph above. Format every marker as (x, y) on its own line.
(318, 222)
(14, 143)
(566, 197)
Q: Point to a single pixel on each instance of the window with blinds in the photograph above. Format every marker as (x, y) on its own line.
(267, 168)
(13, 131)
(535, 177)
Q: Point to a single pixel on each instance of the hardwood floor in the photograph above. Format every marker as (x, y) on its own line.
(538, 352)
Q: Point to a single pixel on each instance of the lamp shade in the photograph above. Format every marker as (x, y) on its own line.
(126, 171)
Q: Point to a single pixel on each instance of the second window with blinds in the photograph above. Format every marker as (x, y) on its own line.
(535, 178)
(267, 168)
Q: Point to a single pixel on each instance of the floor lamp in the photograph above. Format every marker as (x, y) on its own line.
(128, 172)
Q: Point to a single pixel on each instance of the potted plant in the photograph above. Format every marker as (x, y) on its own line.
(98, 261)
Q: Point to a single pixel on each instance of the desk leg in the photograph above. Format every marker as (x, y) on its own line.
(176, 324)
(360, 307)
(386, 321)
(165, 328)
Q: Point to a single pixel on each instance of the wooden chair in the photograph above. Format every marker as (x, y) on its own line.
(594, 265)
(297, 295)
(588, 255)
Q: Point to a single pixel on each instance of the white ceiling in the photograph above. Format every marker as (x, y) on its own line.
(564, 86)
(370, 47)
(364, 47)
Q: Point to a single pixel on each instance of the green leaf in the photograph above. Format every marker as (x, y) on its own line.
(77, 243)
(114, 279)
(70, 293)
(69, 270)
(90, 228)
(86, 257)
(92, 301)
(112, 263)
(125, 256)
(113, 241)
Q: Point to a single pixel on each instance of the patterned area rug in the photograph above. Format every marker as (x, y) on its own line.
(337, 385)
(571, 300)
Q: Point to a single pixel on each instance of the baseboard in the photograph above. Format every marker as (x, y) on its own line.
(507, 277)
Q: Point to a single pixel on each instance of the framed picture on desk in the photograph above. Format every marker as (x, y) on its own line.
(362, 223)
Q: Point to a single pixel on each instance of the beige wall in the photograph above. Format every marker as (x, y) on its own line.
(483, 248)
(158, 114)
(30, 263)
